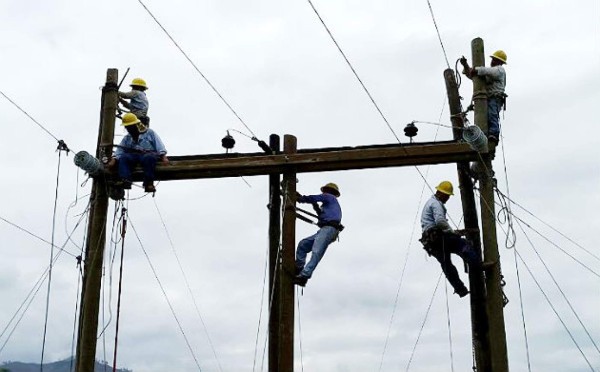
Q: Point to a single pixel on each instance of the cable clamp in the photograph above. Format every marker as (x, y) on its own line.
(62, 146)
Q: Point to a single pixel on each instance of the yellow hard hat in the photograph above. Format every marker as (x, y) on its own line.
(139, 82)
(129, 119)
(499, 55)
(445, 187)
(332, 188)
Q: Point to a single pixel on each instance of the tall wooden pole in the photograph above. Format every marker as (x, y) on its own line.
(479, 320)
(274, 261)
(495, 298)
(94, 253)
(286, 351)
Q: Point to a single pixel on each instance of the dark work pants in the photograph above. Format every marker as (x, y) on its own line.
(128, 161)
(451, 243)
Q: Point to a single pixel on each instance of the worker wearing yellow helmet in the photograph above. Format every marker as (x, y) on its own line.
(141, 145)
(440, 240)
(495, 79)
(330, 217)
(136, 101)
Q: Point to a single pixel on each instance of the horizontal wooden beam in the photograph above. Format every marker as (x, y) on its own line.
(313, 160)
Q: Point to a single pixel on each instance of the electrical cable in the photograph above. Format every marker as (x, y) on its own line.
(550, 226)
(449, 327)
(438, 33)
(189, 288)
(423, 323)
(391, 322)
(30, 117)
(354, 71)
(165, 295)
(61, 249)
(522, 311)
(119, 291)
(554, 310)
(560, 289)
(300, 330)
(262, 299)
(196, 68)
(47, 310)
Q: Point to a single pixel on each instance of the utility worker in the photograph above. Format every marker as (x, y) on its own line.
(330, 218)
(141, 145)
(439, 239)
(495, 78)
(138, 102)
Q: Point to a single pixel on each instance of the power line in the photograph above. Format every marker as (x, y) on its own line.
(196, 68)
(559, 288)
(412, 354)
(35, 121)
(354, 71)
(189, 288)
(162, 288)
(554, 310)
(438, 33)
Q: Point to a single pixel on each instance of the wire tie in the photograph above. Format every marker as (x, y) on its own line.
(62, 146)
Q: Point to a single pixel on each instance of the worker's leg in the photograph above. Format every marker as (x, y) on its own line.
(304, 247)
(323, 238)
(494, 106)
(463, 248)
(443, 257)
(126, 162)
(148, 165)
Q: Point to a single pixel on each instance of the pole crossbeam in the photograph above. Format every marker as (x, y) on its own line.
(312, 160)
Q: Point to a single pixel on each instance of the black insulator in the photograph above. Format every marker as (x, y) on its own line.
(410, 130)
(263, 145)
(228, 141)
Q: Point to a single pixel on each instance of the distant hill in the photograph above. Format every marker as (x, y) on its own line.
(60, 366)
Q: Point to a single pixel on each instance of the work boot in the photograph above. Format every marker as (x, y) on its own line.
(149, 188)
(300, 280)
(298, 270)
(462, 292)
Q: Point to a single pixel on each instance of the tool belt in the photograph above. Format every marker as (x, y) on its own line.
(431, 239)
(501, 97)
(336, 224)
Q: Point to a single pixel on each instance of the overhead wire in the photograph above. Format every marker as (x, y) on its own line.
(47, 310)
(24, 307)
(412, 354)
(410, 241)
(196, 67)
(438, 33)
(162, 288)
(187, 283)
(521, 304)
(549, 226)
(300, 330)
(554, 310)
(449, 327)
(354, 71)
(559, 288)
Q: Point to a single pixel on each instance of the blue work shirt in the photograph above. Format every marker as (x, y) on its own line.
(138, 101)
(330, 208)
(148, 141)
(434, 215)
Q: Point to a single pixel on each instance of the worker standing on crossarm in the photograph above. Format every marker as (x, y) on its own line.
(495, 78)
(138, 102)
(141, 145)
(440, 240)
(330, 218)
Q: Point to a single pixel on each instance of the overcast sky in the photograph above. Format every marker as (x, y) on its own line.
(277, 67)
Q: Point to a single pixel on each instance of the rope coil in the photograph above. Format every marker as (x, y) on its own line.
(475, 138)
(88, 163)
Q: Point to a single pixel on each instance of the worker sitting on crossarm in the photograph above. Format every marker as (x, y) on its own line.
(141, 145)
(439, 239)
(330, 218)
(495, 79)
(138, 102)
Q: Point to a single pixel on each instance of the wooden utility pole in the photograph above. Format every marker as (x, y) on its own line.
(288, 264)
(495, 295)
(479, 320)
(274, 260)
(96, 240)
